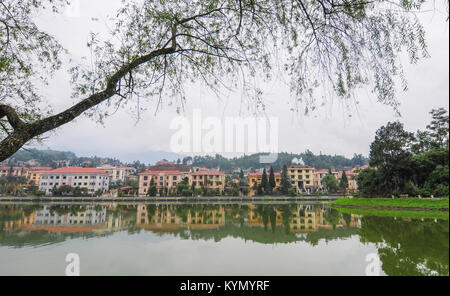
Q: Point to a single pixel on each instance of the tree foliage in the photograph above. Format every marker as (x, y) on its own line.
(407, 164)
(157, 47)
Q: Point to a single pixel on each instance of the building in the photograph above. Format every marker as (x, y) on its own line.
(33, 174)
(7, 171)
(90, 178)
(209, 179)
(117, 173)
(352, 184)
(164, 180)
(256, 178)
(302, 178)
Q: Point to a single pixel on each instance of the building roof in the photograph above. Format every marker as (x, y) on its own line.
(208, 172)
(260, 174)
(300, 167)
(40, 168)
(75, 170)
(150, 172)
(322, 171)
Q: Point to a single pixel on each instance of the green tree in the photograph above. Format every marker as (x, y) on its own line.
(330, 183)
(152, 190)
(272, 184)
(391, 153)
(215, 41)
(343, 184)
(285, 182)
(439, 128)
(264, 182)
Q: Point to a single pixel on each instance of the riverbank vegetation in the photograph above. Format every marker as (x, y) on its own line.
(404, 163)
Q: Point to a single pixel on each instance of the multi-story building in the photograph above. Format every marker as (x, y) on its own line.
(117, 173)
(301, 177)
(256, 178)
(90, 178)
(33, 174)
(209, 179)
(164, 180)
(6, 171)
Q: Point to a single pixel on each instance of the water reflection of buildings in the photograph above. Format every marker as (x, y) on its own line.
(168, 218)
(87, 216)
(160, 218)
(19, 222)
(302, 219)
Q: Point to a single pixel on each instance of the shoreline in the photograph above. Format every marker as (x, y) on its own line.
(167, 199)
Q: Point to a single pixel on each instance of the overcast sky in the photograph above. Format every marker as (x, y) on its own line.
(329, 130)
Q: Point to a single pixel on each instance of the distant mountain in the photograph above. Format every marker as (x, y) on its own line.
(149, 157)
(49, 157)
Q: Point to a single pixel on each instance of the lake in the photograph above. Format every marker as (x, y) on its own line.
(217, 239)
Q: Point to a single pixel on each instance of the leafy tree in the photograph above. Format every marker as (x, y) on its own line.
(166, 44)
(330, 183)
(439, 128)
(391, 152)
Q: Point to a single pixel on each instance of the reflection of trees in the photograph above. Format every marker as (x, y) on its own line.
(332, 217)
(406, 247)
(409, 247)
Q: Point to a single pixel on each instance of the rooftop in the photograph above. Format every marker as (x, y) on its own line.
(75, 170)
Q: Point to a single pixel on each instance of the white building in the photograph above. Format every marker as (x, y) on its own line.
(117, 173)
(89, 216)
(91, 178)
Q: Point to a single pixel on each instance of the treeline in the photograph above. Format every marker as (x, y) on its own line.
(50, 157)
(253, 161)
(409, 163)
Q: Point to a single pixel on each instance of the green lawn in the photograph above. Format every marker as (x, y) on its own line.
(436, 203)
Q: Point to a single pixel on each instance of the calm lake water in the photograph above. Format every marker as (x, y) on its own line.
(213, 239)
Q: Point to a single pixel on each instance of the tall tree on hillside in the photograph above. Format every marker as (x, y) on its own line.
(157, 47)
(272, 184)
(285, 182)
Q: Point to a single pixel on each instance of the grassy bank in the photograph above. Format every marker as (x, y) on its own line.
(394, 203)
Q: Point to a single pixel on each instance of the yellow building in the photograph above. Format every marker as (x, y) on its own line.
(166, 217)
(209, 179)
(302, 177)
(164, 180)
(12, 171)
(256, 178)
(33, 174)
